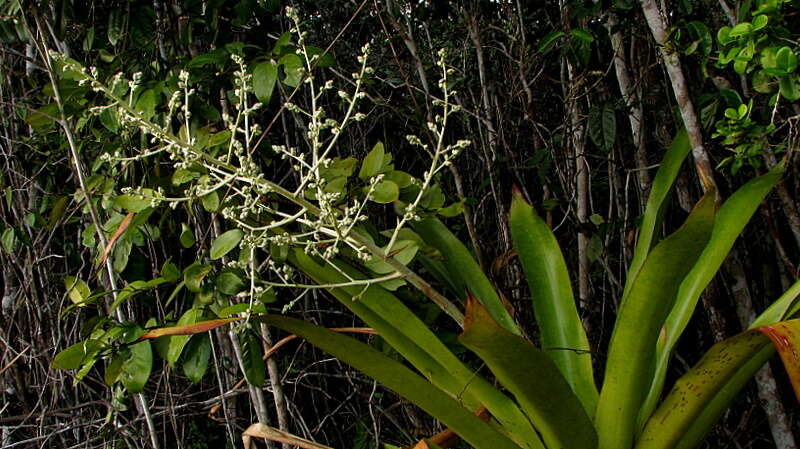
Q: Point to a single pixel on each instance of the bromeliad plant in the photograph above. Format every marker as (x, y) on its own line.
(556, 403)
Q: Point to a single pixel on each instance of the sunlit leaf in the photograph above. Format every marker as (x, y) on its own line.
(77, 290)
(385, 192)
(372, 162)
(193, 276)
(187, 236)
(180, 335)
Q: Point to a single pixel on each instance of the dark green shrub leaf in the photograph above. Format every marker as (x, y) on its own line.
(786, 60)
(265, 74)
(789, 88)
(372, 164)
(196, 357)
(74, 356)
(549, 40)
(113, 370)
(136, 369)
(385, 192)
(135, 202)
(170, 272)
(603, 126)
(77, 290)
(323, 59)
(253, 365)
(178, 342)
(194, 274)
(210, 202)
(293, 68)
(146, 104)
(187, 236)
(122, 251)
(223, 244)
(229, 283)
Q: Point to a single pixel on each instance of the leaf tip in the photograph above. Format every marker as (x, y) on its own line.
(517, 195)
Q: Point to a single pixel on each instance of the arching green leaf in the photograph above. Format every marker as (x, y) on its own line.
(631, 352)
(561, 332)
(400, 379)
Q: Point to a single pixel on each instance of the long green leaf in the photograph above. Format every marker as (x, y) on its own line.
(699, 426)
(409, 336)
(695, 389)
(656, 204)
(561, 332)
(730, 222)
(464, 270)
(781, 309)
(632, 348)
(532, 377)
(398, 378)
(713, 409)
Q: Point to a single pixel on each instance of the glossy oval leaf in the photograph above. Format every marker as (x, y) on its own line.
(135, 202)
(402, 251)
(226, 242)
(196, 357)
(77, 290)
(385, 192)
(194, 274)
(252, 363)
(113, 370)
(532, 377)
(603, 126)
(265, 75)
(229, 283)
(372, 163)
(561, 332)
(187, 236)
(178, 340)
(136, 369)
(74, 356)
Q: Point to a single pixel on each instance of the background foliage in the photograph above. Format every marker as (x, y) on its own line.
(570, 101)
